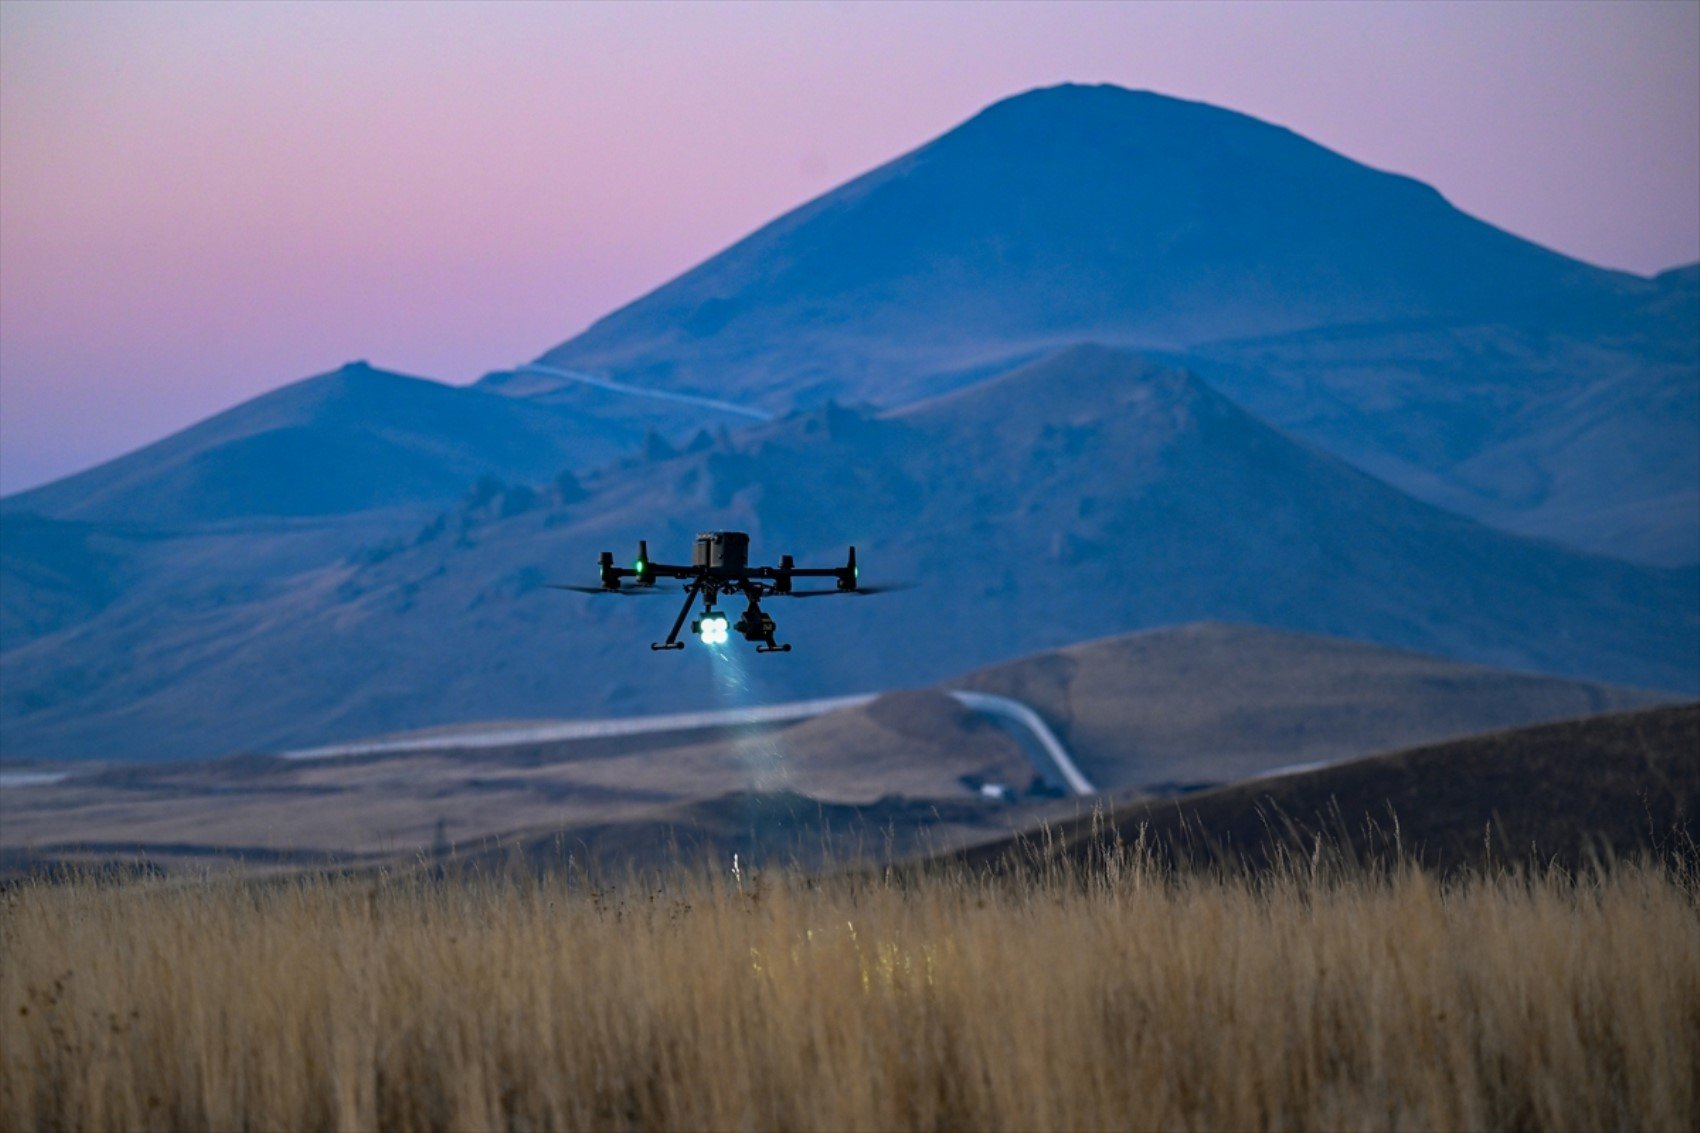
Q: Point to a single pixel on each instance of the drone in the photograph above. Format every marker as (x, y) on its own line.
(720, 564)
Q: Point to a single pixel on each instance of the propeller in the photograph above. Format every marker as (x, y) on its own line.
(859, 590)
(630, 591)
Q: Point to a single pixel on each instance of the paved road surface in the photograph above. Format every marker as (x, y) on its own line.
(1043, 746)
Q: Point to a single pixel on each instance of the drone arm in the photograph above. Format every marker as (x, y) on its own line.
(846, 574)
(644, 571)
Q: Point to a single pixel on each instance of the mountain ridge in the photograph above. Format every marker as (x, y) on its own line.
(310, 558)
(1191, 509)
(348, 440)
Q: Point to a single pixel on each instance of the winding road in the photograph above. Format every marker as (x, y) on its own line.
(1047, 753)
(1044, 749)
(1042, 746)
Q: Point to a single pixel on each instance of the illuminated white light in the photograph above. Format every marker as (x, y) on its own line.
(714, 630)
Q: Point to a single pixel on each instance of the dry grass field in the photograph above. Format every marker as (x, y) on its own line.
(1128, 996)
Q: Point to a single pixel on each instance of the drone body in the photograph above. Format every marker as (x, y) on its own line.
(720, 565)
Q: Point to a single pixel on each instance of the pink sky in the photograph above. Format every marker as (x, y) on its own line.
(200, 202)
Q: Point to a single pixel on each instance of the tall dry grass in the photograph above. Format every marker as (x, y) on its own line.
(1131, 998)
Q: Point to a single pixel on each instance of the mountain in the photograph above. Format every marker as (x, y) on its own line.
(351, 440)
(1069, 213)
(1353, 307)
(1089, 493)
(362, 552)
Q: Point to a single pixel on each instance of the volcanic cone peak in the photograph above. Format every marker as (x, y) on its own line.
(1062, 214)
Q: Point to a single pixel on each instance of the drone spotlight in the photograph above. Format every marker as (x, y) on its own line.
(711, 627)
(720, 565)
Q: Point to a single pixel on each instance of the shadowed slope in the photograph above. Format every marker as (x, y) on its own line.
(1585, 431)
(1556, 793)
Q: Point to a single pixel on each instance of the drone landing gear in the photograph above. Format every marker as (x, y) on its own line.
(786, 648)
(673, 641)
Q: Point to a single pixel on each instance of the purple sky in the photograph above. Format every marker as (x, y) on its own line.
(200, 202)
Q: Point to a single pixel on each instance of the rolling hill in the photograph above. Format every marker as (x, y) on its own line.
(1207, 703)
(1160, 712)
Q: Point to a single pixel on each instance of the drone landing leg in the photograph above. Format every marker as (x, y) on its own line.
(771, 646)
(673, 641)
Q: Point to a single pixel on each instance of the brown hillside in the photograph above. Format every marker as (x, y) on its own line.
(1209, 703)
(1563, 793)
